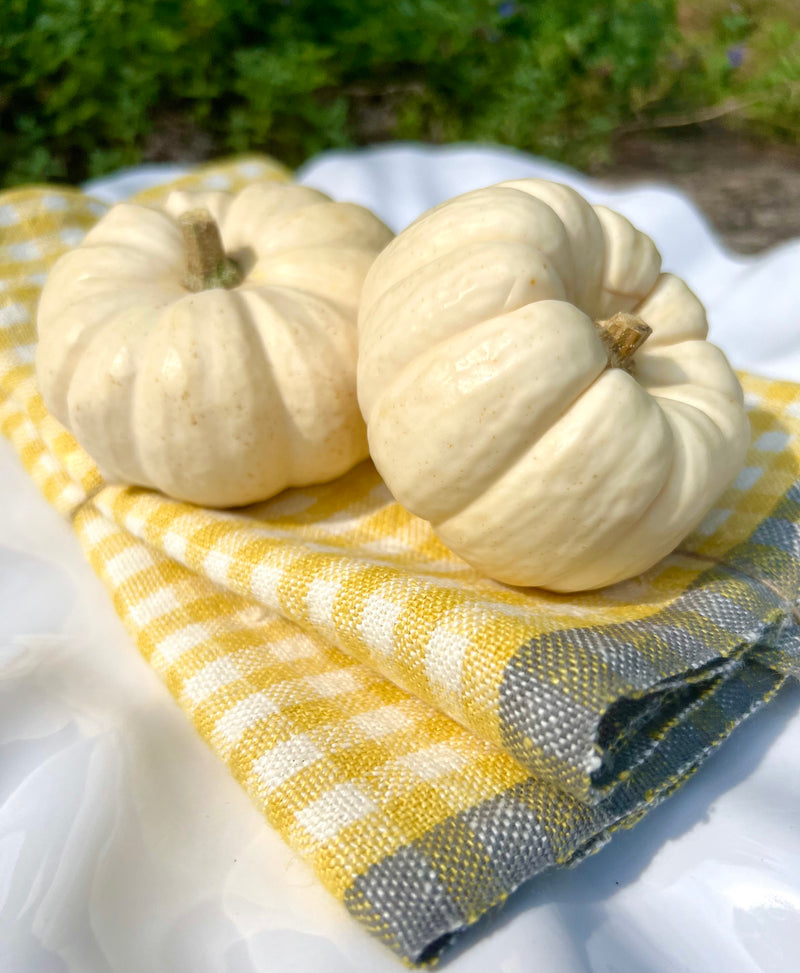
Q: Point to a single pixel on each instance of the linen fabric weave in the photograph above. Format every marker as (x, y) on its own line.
(426, 738)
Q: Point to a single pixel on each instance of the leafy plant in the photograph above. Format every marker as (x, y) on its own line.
(737, 60)
(87, 86)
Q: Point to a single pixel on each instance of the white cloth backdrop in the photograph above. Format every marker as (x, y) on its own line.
(126, 846)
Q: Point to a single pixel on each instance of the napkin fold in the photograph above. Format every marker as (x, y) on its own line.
(427, 738)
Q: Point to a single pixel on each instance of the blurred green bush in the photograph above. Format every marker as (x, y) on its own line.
(87, 86)
(85, 83)
(741, 59)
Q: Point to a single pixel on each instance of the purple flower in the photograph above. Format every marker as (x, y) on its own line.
(507, 9)
(736, 56)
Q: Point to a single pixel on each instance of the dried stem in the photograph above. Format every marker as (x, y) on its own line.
(207, 264)
(623, 334)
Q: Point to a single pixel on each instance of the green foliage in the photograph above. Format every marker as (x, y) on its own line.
(775, 89)
(742, 56)
(87, 86)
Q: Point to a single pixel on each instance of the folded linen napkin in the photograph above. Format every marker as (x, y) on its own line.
(428, 739)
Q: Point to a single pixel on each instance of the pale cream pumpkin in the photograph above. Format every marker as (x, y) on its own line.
(216, 377)
(546, 444)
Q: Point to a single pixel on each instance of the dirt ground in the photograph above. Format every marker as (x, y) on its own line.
(749, 191)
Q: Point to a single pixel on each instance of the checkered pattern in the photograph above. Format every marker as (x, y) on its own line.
(426, 738)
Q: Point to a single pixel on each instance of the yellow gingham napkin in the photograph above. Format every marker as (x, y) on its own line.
(426, 738)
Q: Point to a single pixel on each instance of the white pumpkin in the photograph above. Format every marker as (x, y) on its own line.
(216, 377)
(546, 444)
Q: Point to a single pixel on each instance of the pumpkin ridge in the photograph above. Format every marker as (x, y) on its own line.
(358, 230)
(283, 296)
(278, 200)
(652, 310)
(307, 318)
(159, 236)
(328, 273)
(570, 207)
(378, 335)
(118, 249)
(589, 567)
(126, 444)
(523, 444)
(470, 201)
(137, 393)
(613, 223)
(253, 337)
(80, 347)
(527, 445)
(600, 543)
(686, 526)
(59, 405)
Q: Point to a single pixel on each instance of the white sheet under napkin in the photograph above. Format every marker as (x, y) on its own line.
(100, 772)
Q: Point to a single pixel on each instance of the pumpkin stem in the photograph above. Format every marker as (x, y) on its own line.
(207, 264)
(623, 335)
